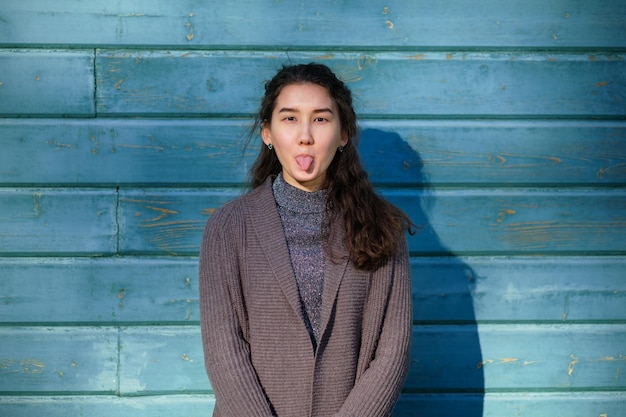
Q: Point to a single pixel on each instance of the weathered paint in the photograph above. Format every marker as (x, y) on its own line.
(394, 24)
(158, 360)
(171, 361)
(194, 83)
(47, 83)
(61, 221)
(518, 357)
(576, 404)
(420, 152)
(517, 221)
(58, 360)
(181, 405)
(100, 291)
(148, 290)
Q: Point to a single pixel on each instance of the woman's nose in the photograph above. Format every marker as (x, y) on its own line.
(306, 138)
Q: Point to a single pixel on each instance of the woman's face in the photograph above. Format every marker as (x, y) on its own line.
(305, 132)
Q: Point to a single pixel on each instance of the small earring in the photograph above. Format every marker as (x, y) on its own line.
(269, 146)
(340, 148)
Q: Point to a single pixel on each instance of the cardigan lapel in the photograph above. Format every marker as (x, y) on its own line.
(269, 232)
(333, 274)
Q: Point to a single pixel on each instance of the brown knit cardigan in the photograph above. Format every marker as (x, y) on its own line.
(257, 351)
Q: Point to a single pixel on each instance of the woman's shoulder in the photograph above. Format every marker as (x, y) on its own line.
(234, 211)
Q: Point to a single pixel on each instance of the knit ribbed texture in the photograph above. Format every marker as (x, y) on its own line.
(302, 214)
(257, 350)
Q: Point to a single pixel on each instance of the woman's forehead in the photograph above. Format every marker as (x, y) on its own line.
(305, 96)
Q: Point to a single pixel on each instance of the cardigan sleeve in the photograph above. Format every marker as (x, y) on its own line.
(226, 352)
(378, 388)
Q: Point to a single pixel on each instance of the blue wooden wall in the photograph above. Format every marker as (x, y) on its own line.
(498, 125)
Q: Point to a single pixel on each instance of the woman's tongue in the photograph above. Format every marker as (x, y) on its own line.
(304, 161)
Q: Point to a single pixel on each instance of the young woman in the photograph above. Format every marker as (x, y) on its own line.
(305, 289)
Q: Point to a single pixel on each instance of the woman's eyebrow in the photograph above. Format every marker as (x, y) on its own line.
(293, 110)
(287, 110)
(323, 110)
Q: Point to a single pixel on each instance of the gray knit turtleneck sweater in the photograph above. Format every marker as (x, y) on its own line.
(302, 214)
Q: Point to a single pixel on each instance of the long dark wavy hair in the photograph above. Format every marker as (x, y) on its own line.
(373, 226)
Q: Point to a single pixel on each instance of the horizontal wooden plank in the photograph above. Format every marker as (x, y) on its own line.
(444, 358)
(46, 83)
(123, 151)
(107, 405)
(161, 360)
(157, 222)
(122, 290)
(200, 83)
(579, 404)
(536, 289)
(436, 152)
(366, 24)
(515, 221)
(98, 290)
(521, 221)
(545, 404)
(416, 152)
(58, 221)
(517, 357)
(58, 360)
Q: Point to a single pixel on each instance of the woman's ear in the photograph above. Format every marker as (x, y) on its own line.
(344, 138)
(265, 133)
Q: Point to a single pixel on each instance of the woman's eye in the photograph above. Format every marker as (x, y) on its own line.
(320, 119)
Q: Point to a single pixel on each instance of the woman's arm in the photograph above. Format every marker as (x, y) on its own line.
(377, 389)
(226, 352)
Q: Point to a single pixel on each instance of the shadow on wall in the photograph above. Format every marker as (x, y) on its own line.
(446, 376)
